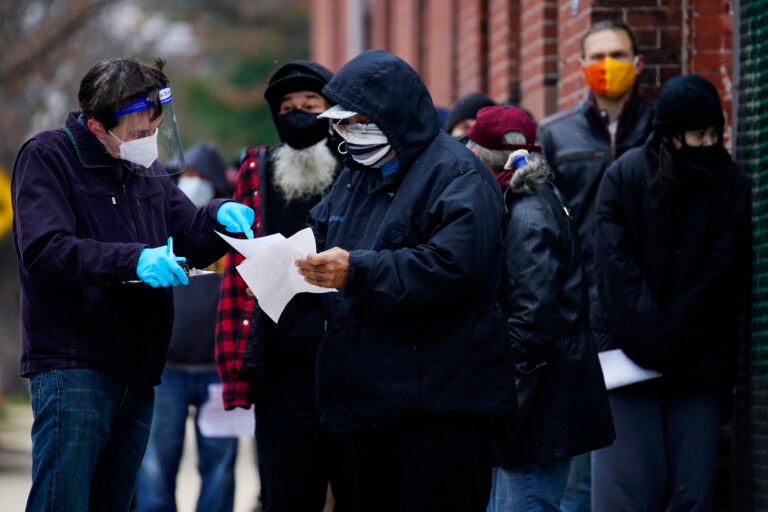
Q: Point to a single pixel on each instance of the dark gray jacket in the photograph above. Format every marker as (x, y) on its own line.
(577, 145)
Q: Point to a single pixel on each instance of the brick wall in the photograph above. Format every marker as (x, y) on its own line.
(503, 49)
(405, 31)
(538, 63)
(471, 47)
(571, 27)
(709, 48)
(438, 66)
(529, 49)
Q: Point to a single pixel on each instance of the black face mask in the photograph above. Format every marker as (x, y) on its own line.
(709, 158)
(301, 129)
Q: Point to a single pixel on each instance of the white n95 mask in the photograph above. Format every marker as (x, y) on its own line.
(141, 151)
(200, 191)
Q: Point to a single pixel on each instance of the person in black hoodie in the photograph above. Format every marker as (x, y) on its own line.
(672, 247)
(415, 364)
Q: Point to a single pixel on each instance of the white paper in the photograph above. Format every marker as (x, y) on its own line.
(619, 370)
(215, 421)
(250, 246)
(270, 271)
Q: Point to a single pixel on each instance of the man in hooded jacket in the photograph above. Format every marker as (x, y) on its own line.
(415, 364)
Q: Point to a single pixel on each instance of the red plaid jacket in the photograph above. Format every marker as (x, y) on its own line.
(235, 307)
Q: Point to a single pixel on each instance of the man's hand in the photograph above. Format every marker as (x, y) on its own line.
(328, 269)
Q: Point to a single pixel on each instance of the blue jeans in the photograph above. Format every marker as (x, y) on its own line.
(578, 491)
(156, 487)
(88, 436)
(531, 489)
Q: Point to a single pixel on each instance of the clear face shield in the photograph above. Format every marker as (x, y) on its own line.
(146, 137)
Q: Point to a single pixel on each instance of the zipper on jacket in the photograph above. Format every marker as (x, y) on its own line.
(127, 204)
(611, 135)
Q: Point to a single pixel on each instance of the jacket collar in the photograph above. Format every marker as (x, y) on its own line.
(90, 151)
(628, 115)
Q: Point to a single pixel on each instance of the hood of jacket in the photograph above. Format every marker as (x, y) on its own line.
(389, 92)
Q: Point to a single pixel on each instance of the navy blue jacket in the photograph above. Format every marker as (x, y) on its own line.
(418, 331)
(80, 222)
(673, 276)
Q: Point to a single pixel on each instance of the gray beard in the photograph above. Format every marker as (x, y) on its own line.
(302, 173)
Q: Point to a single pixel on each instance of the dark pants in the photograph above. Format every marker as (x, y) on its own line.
(664, 454)
(292, 451)
(420, 466)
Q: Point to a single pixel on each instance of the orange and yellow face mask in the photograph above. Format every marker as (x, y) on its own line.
(610, 77)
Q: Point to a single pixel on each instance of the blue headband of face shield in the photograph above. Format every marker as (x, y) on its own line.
(169, 148)
(142, 104)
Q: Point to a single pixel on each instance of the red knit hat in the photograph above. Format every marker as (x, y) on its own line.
(493, 122)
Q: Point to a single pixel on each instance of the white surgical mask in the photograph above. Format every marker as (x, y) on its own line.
(200, 191)
(366, 143)
(141, 151)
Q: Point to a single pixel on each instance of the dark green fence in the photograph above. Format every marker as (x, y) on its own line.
(751, 420)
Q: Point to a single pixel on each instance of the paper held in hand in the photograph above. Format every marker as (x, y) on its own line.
(214, 421)
(269, 269)
(619, 370)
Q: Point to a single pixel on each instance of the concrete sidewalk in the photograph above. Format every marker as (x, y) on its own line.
(16, 466)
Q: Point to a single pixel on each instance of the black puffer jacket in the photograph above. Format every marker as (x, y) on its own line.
(673, 277)
(577, 145)
(546, 304)
(418, 330)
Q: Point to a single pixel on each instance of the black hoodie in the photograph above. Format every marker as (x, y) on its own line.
(417, 331)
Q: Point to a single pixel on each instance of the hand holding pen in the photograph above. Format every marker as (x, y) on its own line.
(159, 266)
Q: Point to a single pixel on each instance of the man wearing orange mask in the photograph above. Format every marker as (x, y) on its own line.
(580, 143)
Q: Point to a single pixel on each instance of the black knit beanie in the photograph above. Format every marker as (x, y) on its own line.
(466, 108)
(687, 102)
(298, 75)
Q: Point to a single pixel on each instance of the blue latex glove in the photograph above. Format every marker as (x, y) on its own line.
(236, 217)
(160, 267)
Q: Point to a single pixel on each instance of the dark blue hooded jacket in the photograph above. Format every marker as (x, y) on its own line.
(418, 331)
(80, 224)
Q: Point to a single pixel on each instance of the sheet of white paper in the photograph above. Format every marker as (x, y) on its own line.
(250, 246)
(272, 275)
(619, 370)
(214, 421)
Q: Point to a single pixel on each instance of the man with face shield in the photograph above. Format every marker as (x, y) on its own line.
(672, 255)
(98, 225)
(415, 365)
(260, 361)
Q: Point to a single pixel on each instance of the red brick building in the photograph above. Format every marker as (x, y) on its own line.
(525, 51)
